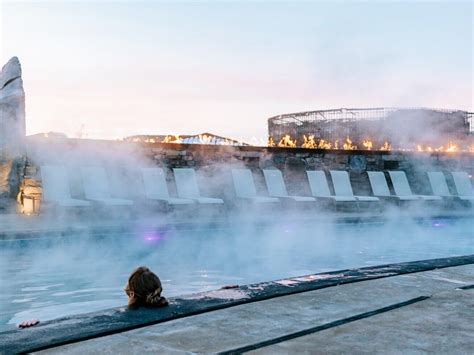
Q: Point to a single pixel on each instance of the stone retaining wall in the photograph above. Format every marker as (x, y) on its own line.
(213, 162)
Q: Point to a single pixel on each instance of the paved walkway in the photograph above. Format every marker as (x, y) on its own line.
(364, 317)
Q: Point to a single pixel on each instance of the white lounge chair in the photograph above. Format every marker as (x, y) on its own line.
(379, 186)
(463, 185)
(438, 184)
(343, 187)
(244, 186)
(56, 189)
(96, 187)
(276, 186)
(187, 187)
(320, 188)
(156, 188)
(402, 188)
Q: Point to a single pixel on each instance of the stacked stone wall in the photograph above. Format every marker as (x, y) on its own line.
(213, 164)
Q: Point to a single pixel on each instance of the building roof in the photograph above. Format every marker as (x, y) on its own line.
(203, 138)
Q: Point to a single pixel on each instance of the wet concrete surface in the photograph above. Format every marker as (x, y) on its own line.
(443, 323)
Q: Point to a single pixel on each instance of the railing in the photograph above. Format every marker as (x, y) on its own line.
(295, 121)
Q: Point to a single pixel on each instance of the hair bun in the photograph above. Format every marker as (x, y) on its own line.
(154, 298)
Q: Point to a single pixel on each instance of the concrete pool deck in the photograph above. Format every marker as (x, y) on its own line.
(441, 323)
(425, 306)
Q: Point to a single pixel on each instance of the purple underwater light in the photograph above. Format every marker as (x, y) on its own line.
(153, 236)
(439, 223)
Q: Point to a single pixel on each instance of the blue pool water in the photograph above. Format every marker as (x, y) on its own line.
(53, 277)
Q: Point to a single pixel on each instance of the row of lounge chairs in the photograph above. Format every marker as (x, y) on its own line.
(343, 191)
(95, 183)
(96, 187)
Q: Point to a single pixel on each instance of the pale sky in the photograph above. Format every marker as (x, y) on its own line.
(112, 69)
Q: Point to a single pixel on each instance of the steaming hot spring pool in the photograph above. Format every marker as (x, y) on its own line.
(52, 277)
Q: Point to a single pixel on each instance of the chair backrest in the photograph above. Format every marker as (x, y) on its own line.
(400, 183)
(438, 183)
(378, 183)
(155, 183)
(318, 183)
(244, 184)
(95, 182)
(342, 183)
(55, 181)
(462, 183)
(275, 183)
(186, 183)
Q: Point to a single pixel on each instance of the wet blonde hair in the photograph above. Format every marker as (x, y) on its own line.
(144, 289)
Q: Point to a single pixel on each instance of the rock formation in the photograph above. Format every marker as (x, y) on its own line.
(12, 110)
(12, 130)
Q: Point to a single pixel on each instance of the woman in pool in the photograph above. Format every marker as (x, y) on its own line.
(143, 288)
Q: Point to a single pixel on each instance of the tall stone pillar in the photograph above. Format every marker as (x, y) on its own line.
(12, 131)
(12, 110)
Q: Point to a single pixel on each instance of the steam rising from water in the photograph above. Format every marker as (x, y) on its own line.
(55, 277)
(86, 271)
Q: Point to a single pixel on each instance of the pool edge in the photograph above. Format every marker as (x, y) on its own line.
(86, 326)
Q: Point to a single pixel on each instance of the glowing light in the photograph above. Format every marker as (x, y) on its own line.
(287, 142)
(153, 236)
(367, 143)
(172, 139)
(386, 146)
(309, 142)
(270, 143)
(452, 147)
(439, 224)
(348, 145)
(323, 144)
